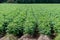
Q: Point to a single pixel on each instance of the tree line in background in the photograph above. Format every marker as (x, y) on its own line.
(30, 1)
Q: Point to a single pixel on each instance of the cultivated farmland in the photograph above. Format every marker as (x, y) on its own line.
(32, 19)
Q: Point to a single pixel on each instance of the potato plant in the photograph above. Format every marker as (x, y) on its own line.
(16, 26)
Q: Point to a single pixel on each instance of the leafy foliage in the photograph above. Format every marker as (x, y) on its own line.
(57, 37)
(27, 19)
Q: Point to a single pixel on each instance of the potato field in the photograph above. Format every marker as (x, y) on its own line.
(32, 19)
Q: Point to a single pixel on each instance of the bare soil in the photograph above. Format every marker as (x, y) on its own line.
(9, 37)
(40, 37)
(44, 37)
(26, 37)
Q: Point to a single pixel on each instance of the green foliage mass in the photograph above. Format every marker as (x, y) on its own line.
(27, 19)
(57, 37)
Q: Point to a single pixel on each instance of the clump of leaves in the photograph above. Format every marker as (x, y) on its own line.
(3, 29)
(44, 28)
(52, 31)
(15, 29)
(31, 29)
(57, 37)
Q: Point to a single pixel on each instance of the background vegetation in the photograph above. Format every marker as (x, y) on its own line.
(30, 1)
